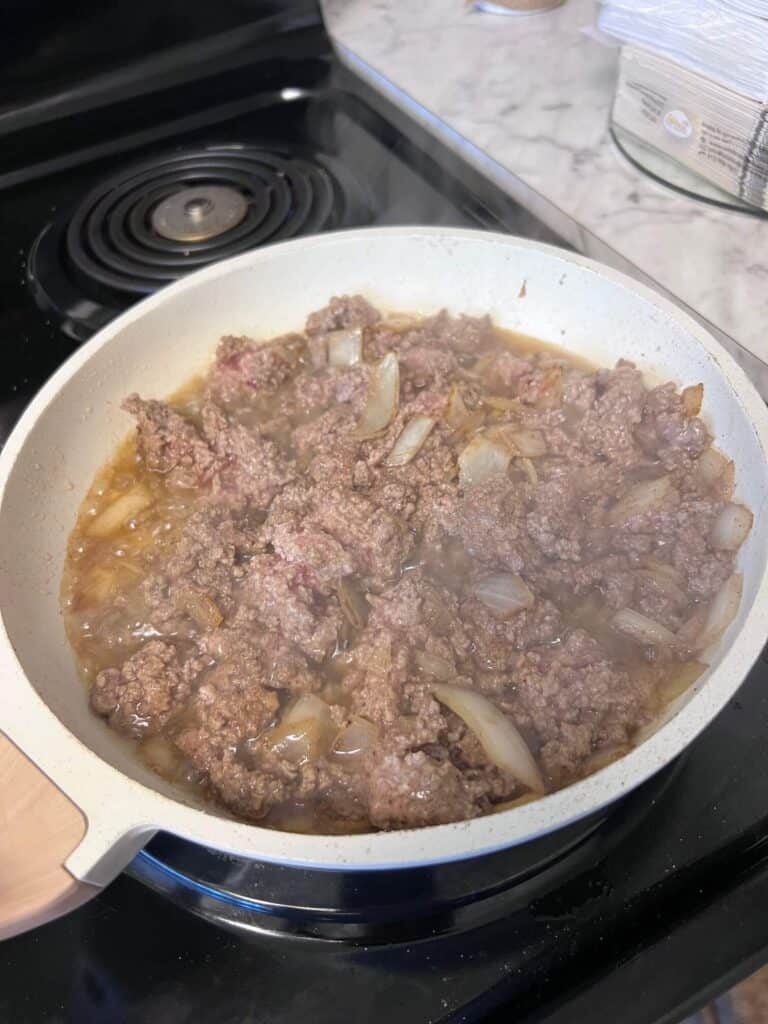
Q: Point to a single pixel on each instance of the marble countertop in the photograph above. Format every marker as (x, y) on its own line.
(527, 100)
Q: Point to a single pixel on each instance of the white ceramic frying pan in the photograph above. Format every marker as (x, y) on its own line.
(76, 805)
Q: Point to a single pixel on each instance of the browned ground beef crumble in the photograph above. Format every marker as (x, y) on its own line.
(271, 501)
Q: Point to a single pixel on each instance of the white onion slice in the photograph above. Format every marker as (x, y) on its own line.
(664, 582)
(352, 603)
(382, 400)
(498, 736)
(307, 706)
(480, 460)
(126, 507)
(504, 593)
(433, 665)
(305, 731)
(722, 612)
(501, 404)
(659, 569)
(642, 497)
(529, 469)
(410, 442)
(642, 629)
(692, 398)
(456, 412)
(356, 739)
(318, 350)
(713, 466)
(529, 443)
(731, 527)
(345, 348)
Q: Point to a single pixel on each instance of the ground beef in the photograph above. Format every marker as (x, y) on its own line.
(414, 789)
(608, 427)
(282, 598)
(467, 334)
(303, 544)
(429, 366)
(260, 656)
(246, 367)
(342, 311)
(169, 444)
(491, 524)
(209, 560)
(576, 700)
(377, 541)
(296, 564)
(228, 711)
(251, 468)
(141, 696)
(495, 641)
(666, 432)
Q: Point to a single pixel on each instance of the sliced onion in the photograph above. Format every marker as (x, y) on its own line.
(498, 736)
(318, 350)
(345, 348)
(305, 732)
(731, 527)
(692, 628)
(480, 460)
(383, 398)
(713, 466)
(409, 444)
(504, 593)
(502, 404)
(529, 469)
(473, 422)
(529, 443)
(642, 497)
(642, 629)
(353, 605)
(456, 412)
(356, 739)
(664, 582)
(118, 513)
(433, 665)
(722, 612)
(162, 756)
(663, 569)
(692, 398)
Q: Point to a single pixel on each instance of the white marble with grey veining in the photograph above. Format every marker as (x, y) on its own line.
(527, 100)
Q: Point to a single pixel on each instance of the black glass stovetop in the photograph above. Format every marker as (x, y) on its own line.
(636, 915)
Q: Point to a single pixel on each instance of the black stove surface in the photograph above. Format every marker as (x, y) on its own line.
(636, 916)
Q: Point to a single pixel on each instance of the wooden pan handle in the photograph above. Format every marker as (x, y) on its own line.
(39, 828)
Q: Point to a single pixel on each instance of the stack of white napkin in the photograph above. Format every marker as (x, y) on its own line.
(693, 82)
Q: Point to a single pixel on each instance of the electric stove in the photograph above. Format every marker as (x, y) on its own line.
(111, 187)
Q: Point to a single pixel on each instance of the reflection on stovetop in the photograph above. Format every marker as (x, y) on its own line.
(373, 907)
